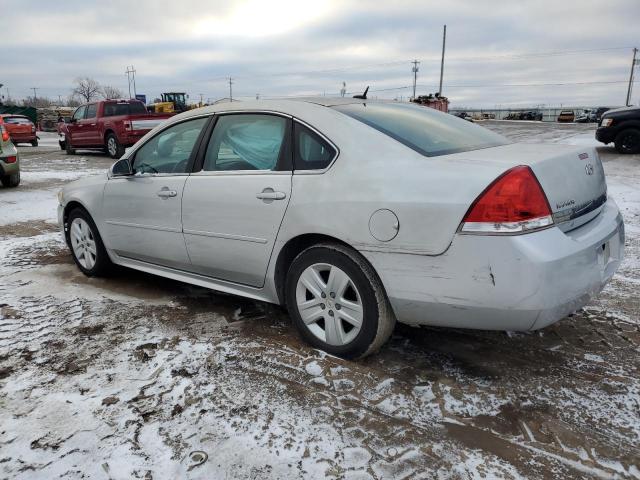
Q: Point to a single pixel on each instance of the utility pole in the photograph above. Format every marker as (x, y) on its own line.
(60, 100)
(201, 96)
(131, 75)
(415, 76)
(634, 62)
(35, 96)
(444, 40)
(128, 73)
(230, 90)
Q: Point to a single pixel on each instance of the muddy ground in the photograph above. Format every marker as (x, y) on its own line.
(137, 376)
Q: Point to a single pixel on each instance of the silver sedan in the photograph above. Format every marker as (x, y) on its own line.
(354, 214)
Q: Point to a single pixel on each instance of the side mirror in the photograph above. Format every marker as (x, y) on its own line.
(122, 168)
(73, 120)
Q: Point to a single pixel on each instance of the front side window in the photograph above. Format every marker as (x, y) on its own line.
(79, 113)
(311, 151)
(91, 110)
(245, 142)
(170, 150)
(423, 129)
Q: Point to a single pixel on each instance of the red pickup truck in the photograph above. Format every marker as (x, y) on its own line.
(109, 125)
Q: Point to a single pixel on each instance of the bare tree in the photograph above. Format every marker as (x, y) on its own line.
(73, 101)
(38, 102)
(109, 92)
(86, 88)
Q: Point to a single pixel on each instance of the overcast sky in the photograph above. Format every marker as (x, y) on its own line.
(498, 52)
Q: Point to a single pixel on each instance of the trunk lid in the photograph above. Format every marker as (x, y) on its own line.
(572, 177)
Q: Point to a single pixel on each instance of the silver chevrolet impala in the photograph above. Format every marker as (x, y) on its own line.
(352, 214)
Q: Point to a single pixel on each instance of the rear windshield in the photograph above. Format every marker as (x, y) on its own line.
(423, 129)
(133, 108)
(16, 120)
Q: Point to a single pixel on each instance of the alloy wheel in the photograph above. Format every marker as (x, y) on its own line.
(329, 304)
(83, 243)
(111, 146)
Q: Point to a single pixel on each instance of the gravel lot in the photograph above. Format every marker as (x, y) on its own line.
(137, 376)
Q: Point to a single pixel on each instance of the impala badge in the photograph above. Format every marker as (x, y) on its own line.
(589, 169)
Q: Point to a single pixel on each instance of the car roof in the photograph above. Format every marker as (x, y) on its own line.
(288, 105)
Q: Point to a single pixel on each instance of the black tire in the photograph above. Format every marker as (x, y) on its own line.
(34, 143)
(378, 318)
(113, 147)
(628, 141)
(11, 181)
(103, 265)
(67, 146)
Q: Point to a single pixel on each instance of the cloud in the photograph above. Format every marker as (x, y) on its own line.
(288, 47)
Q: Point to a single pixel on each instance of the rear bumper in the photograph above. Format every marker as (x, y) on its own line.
(22, 137)
(130, 139)
(520, 282)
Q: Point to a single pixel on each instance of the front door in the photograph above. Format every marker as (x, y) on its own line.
(232, 209)
(142, 212)
(76, 126)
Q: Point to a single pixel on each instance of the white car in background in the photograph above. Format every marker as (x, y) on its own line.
(353, 214)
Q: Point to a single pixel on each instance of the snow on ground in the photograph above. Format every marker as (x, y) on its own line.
(136, 376)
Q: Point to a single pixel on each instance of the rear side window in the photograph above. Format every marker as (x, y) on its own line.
(423, 129)
(91, 110)
(246, 142)
(312, 152)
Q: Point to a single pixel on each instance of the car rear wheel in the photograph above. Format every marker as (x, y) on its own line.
(11, 181)
(337, 302)
(113, 146)
(34, 143)
(86, 245)
(628, 141)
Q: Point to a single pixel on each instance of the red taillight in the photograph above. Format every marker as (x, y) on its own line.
(5, 134)
(10, 159)
(33, 128)
(513, 203)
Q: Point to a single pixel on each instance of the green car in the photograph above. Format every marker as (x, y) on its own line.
(9, 160)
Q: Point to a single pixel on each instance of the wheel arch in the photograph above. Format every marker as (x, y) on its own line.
(292, 248)
(107, 132)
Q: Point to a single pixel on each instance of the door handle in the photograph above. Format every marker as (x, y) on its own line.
(165, 193)
(269, 194)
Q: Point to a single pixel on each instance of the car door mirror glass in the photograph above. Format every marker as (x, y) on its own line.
(121, 168)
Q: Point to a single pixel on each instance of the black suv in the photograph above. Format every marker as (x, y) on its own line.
(622, 127)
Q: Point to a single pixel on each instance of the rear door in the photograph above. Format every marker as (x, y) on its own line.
(142, 213)
(233, 205)
(90, 130)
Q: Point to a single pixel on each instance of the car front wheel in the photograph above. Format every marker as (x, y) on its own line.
(68, 147)
(86, 245)
(628, 141)
(337, 302)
